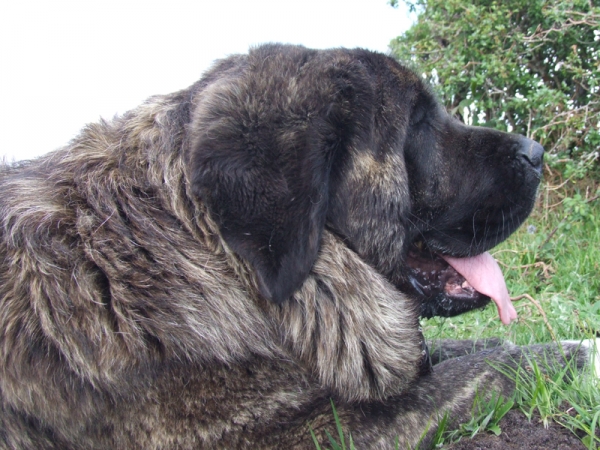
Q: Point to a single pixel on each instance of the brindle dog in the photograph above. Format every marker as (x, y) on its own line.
(211, 268)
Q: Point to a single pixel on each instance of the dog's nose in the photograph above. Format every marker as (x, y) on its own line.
(532, 152)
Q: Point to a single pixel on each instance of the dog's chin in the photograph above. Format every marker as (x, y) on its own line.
(460, 243)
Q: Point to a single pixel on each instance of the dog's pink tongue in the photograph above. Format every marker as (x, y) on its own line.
(483, 273)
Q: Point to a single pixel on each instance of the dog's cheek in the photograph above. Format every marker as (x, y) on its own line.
(370, 207)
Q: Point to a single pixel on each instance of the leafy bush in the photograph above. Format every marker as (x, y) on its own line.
(527, 66)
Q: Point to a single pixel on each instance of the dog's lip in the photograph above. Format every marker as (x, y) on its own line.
(432, 275)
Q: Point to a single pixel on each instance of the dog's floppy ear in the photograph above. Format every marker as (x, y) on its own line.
(263, 141)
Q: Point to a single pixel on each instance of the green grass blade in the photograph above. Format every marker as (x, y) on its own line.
(338, 425)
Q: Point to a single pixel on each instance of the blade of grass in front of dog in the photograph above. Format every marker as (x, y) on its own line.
(338, 425)
(504, 409)
(442, 430)
(593, 430)
(334, 444)
(582, 421)
(351, 441)
(589, 440)
(315, 440)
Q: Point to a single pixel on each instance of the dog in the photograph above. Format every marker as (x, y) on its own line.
(215, 267)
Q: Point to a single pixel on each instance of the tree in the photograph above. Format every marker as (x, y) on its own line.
(528, 66)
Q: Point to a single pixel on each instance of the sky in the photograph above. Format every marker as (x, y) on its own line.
(67, 63)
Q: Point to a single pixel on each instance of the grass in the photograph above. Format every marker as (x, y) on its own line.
(486, 416)
(551, 265)
(335, 445)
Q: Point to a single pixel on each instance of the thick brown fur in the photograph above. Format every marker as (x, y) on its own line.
(211, 268)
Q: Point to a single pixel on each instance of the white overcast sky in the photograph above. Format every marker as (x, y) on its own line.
(66, 63)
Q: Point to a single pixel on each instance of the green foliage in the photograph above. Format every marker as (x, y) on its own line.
(527, 66)
(486, 416)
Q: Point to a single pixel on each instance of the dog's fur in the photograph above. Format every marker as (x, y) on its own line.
(210, 269)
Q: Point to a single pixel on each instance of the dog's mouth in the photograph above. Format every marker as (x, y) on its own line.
(449, 285)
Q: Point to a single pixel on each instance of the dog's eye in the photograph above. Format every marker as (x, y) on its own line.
(420, 111)
(418, 116)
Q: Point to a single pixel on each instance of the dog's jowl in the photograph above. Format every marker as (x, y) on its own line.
(212, 268)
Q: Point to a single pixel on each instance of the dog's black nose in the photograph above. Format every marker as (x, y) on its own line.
(532, 152)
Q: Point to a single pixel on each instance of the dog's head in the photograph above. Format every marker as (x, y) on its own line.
(287, 141)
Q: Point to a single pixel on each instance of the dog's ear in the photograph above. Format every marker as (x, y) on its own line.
(262, 146)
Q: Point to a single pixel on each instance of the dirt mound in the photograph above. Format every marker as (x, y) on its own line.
(520, 433)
